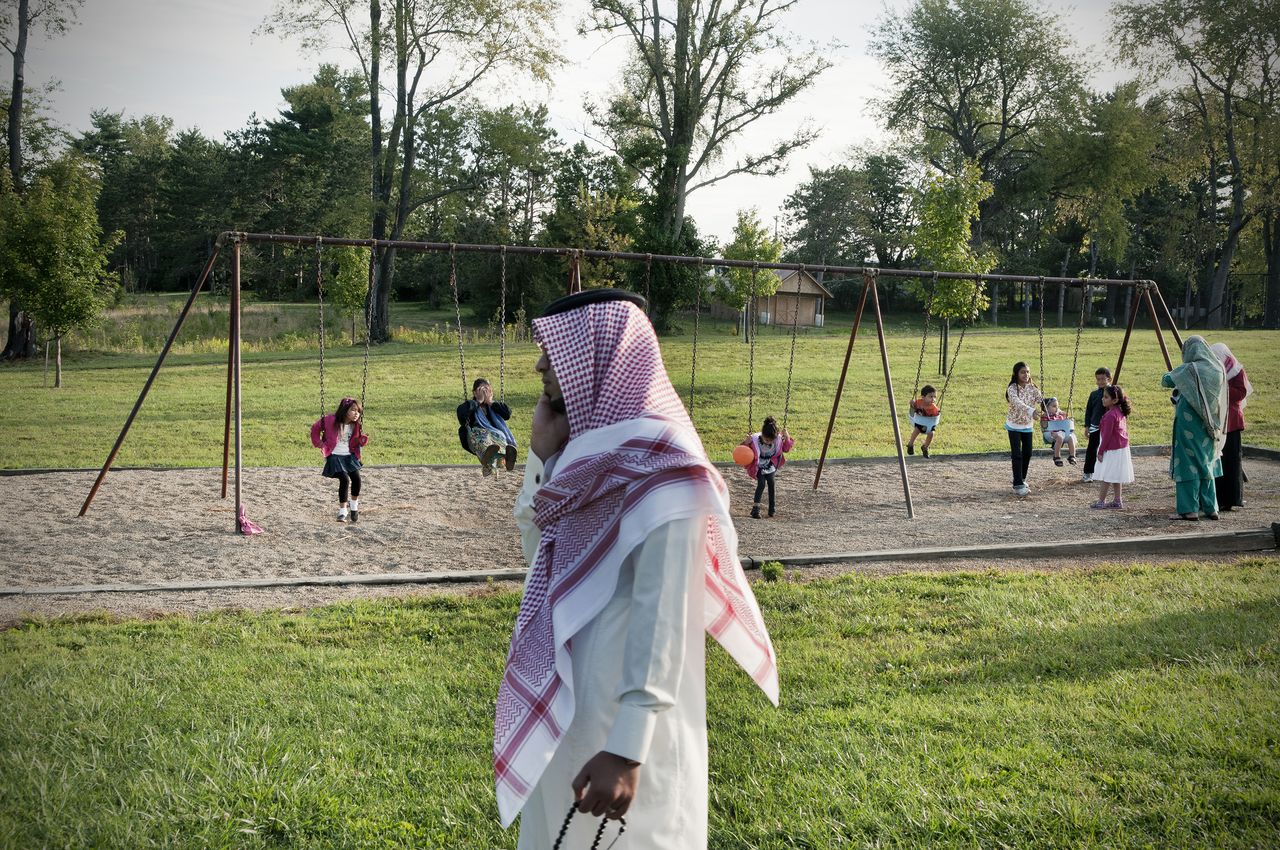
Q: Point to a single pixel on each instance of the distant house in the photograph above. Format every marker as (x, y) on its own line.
(780, 308)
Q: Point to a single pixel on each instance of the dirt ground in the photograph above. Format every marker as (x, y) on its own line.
(158, 526)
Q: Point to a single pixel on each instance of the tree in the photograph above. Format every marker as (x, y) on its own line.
(1230, 49)
(55, 16)
(737, 287)
(948, 207)
(52, 255)
(437, 50)
(700, 74)
(844, 214)
(976, 81)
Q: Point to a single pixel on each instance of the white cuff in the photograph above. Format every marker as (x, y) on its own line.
(632, 733)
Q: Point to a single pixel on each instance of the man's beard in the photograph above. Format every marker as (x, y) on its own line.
(557, 405)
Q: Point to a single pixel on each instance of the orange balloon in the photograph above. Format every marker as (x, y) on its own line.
(743, 455)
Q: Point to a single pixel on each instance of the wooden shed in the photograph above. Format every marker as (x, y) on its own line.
(780, 308)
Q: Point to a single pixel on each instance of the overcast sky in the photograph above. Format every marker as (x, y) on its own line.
(200, 63)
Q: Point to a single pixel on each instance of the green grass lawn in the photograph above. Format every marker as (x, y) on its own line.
(1123, 707)
(414, 387)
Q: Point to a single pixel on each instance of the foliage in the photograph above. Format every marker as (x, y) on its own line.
(699, 76)
(772, 570)
(53, 254)
(948, 206)
(736, 287)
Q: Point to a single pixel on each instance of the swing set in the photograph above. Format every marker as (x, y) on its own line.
(1149, 294)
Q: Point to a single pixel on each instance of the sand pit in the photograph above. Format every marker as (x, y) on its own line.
(155, 526)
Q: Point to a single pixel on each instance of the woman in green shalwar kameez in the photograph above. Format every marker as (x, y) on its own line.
(1199, 428)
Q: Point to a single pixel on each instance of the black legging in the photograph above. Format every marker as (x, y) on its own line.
(351, 479)
(1091, 452)
(761, 480)
(1230, 484)
(1020, 455)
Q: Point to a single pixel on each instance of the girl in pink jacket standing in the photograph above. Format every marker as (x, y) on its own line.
(769, 448)
(339, 439)
(1115, 466)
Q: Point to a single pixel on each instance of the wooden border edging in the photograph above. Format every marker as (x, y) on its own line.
(452, 576)
(1213, 543)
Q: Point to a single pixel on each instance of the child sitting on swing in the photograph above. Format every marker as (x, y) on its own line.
(1060, 435)
(769, 448)
(924, 419)
(482, 428)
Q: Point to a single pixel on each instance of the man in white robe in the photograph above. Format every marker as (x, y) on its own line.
(632, 557)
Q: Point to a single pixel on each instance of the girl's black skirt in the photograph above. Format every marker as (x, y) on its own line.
(336, 466)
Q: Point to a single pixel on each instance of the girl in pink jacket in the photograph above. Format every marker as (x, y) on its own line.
(769, 450)
(1115, 466)
(339, 439)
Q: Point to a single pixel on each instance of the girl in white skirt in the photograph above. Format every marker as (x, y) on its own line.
(1115, 467)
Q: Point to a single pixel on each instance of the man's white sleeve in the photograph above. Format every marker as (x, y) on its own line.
(654, 658)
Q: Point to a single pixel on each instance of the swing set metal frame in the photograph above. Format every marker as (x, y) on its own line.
(870, 291)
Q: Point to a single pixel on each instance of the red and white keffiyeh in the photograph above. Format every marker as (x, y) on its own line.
(633, 463)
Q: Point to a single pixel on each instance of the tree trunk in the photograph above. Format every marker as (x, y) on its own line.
(1215, 317)
(1271, 246)
(995, 301)
(15, 102)
(45, 383)
(57, 363)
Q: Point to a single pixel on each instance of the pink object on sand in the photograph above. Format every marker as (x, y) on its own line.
(247, 526)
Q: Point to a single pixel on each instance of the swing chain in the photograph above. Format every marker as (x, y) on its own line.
(320, 293)
(693, 371)
(368, 322)
(795, 328)
(924, 340)
(752, 326)
(648, 276)
(457, 312)
(973, 305)
(502, 331)
(1044, 381)
(1076, 357)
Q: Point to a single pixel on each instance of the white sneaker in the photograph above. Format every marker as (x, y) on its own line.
(1086, 478)
(342, 515)
(1022, 490)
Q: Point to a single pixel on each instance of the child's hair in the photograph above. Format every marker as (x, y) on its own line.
(769, 429)
(1017, 367)
(1121, 400)
(1103, 370)
(1053, 399)
(926, 390)
(344, 406)
(478, 383)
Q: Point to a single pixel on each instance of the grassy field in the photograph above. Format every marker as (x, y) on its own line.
(415, 384)
(1123, 707)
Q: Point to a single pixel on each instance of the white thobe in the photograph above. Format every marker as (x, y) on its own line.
(639, 683)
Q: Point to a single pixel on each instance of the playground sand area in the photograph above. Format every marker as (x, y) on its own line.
(170, 525)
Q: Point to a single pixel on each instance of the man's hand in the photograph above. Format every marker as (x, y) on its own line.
(606, 785)
(550, 430)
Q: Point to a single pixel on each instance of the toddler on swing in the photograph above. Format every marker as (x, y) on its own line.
(768, 454)
(924, 419)
(1057, 435)
(482, 428)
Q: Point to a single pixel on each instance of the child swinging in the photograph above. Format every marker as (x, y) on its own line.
(482, 428)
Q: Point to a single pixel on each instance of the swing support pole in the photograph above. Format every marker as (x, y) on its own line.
(844, 371)
(1134, 306)
(888, 385)
(235, 359)
(1155, 323)
(155, 370)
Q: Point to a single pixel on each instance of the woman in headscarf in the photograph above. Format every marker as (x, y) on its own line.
(1199, 428)
(1230, 484)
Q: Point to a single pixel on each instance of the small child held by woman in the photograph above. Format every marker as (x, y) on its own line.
(769, 448)
(339, 439)
(1115, 466)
